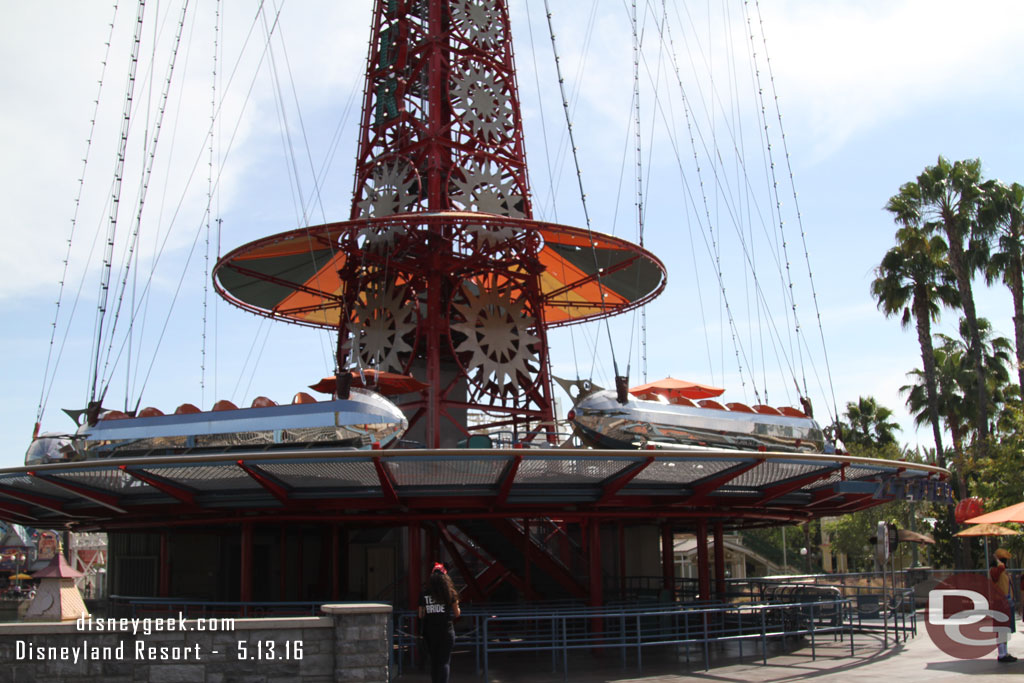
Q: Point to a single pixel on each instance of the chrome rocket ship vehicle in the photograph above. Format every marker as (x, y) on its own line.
(671, 414)
(363, 420)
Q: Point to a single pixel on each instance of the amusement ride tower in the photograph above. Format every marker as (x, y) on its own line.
(441, 272)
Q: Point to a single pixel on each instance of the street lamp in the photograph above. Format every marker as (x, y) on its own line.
(17, 567)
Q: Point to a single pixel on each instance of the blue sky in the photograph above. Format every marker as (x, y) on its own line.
(869, 97)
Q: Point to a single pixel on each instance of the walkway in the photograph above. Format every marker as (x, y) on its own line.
(915, 660)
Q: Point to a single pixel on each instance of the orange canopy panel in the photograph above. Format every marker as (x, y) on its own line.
(295, 275)
(671, 387)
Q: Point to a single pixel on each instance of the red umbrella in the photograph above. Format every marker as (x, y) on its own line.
(1013, 513)
(387, 383)
(675, 388)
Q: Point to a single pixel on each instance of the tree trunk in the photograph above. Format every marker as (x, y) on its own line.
(924, 338)
(963, 281)
(1014, 276)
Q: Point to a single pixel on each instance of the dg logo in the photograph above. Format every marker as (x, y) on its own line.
(966, 617)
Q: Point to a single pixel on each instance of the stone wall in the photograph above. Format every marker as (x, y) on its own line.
(351, 643)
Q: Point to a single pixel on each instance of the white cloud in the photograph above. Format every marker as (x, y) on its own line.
(844, 67)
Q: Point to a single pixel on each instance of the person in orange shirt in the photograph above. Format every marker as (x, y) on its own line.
(997, 574)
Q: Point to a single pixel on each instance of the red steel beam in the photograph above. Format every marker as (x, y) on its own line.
(615, 483)
(507, 480)
(105, 499)
(263, 479)
(543, 560)
(719, 560)
(781, 489)
(46, 502)
(495, 575)
(668, 559)
(19, 509)
(472, 586)
(703, 580)
(245, 574)
(703, 488)
(159, 483)
(387, 487)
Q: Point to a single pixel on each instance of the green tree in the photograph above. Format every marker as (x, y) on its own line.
(956, 378)
(912, 281)
(868, 424)
(955, 409)
(1004, 213)
(945, 199)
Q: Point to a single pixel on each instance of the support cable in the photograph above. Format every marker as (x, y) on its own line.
(209, 201)
(579, 180)
(108, 254)
(47, 380)
(799, 216)
(143, 189)
(774, 189)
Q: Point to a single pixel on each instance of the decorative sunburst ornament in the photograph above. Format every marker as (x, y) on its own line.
(482, 102)
(392, 187)
(384, 316)
(497, 344)
(482, 185)
(478, 22)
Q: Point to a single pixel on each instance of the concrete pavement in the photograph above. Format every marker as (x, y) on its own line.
(918, 659)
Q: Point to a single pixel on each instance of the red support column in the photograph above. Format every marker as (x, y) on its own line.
(703, 580)
(594, 550)
(622, 560)
(344, 580)
(164, 589)
(719, 561)
(433, 544)
(335, 548)
(596, 583)
(668, 558)
(282, 542)
(300, 568)
(245, 580)
(526, 559)
(415, 565)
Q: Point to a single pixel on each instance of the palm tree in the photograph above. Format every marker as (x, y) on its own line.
(1004, 213)
(868, 423)
(996, 355)
(912, 281)
(945, 199)
(955, 408)
(955, 377)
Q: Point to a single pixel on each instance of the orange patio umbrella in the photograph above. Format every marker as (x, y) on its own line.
(987, 529)
(386, 383)
(1013, 513)
(671, 387)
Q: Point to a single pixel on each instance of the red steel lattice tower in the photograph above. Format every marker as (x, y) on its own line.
(457, 303)
(441, 272)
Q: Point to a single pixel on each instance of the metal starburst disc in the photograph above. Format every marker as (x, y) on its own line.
(389, 189)
(498, 342)
(478, 21)
(382, 321)
(482, 102)
(482, 186)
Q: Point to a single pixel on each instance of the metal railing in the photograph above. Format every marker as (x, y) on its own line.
(557, 631)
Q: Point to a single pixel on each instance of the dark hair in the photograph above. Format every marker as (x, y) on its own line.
(441, 588)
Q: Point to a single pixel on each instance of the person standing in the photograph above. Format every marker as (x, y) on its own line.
(997, 574)
(438, 609)
(1004, 555)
